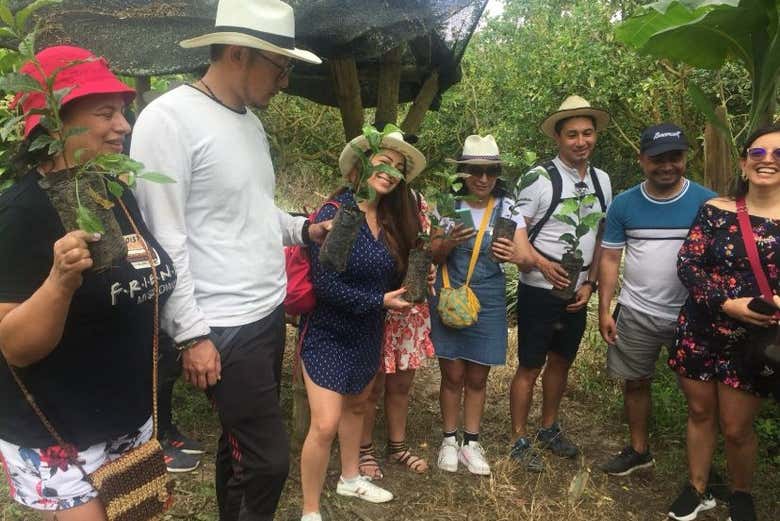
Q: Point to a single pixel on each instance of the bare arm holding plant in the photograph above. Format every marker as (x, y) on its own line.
(30, 331)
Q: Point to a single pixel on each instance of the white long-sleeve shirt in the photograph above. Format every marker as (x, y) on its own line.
(218, 222)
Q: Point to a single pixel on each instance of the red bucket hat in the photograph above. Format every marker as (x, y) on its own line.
(90, 76)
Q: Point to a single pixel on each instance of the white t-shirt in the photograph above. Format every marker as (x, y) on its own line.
(218, 222)
(539, 196)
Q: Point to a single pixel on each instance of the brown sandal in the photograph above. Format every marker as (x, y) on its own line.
(398, 452)
(368, 465)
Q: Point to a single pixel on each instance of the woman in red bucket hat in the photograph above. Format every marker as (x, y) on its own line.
(79, 340)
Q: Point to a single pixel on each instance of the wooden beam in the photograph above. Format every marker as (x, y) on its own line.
(388, 86)
(347, 89)
(718, 172)
(421, 104)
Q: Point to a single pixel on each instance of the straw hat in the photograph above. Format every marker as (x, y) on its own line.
(268, 25)
(415, 160)
(571, 107)
(478, 150)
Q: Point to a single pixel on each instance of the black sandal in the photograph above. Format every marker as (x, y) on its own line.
(398, 452)
(368, 465)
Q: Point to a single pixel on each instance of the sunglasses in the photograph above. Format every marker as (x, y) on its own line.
(478, 171)
(284, 70)
(759, 153)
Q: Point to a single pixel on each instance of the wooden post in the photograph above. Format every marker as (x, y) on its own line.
(143, 84)
(718, 168)
(347, 88)
(421, 104)
(388, 86)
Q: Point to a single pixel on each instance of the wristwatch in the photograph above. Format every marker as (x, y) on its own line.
(305, 232)
(594, 286)
(187, 344)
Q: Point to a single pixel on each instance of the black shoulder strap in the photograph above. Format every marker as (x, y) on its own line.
(557, 188)
(597, 188)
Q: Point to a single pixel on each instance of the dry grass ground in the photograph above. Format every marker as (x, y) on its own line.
(591, 415)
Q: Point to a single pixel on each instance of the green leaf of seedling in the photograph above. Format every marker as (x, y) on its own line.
(389, 170)
(581, 230)
(40, 142)
(130, 179)
(60, 94)
(569, 239)
(115, 188)
(55, 147)
(156, 177)
(88, 221)
(577, 253)
(565, 219)
(24, 14)
(457, 186)
(6, 15)
(7, 33)
(11, 125)
(5, 184)
(569, 206)
(17, 82)
(589, 200)
(592, 219)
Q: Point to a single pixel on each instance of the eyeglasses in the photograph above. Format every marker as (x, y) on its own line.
(479, 171)
(759, 153)
(284, 70)
(581, 187)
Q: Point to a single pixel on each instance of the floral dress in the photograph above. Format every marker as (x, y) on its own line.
(407, 338)
(714, 267)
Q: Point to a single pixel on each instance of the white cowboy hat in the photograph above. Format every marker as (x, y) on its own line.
(478, 150)
(571, 107)
(415, 160)
(268, 25)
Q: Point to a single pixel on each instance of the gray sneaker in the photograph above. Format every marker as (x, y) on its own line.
(627, 461)
(555, 440)
(527, 455)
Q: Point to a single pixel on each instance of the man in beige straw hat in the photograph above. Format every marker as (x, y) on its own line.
(550, 329)
(225, 235)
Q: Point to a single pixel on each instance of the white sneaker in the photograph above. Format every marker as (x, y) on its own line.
(448, 455)
(473, 457)
(364, 489)
(312, 516)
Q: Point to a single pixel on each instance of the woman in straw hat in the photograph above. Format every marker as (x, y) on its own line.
(466, 355)
(342, 337)
(80, 341)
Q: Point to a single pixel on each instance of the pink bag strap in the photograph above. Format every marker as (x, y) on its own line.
(752, 251)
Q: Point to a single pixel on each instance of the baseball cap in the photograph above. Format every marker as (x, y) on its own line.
(665, 137)
(76, 68)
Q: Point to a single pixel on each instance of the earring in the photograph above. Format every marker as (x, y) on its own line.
(743, 175)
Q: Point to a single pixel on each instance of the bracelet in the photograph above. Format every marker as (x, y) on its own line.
(187, 344)
(594, 286)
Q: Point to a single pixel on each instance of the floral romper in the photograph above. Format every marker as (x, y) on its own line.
(407, 338)
(713, 265)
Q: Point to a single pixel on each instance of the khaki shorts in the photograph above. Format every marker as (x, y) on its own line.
(639, 340)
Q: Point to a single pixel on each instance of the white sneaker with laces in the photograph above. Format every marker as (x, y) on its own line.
(472, 455)
(448, 455)
(364, 489)
(312, 516)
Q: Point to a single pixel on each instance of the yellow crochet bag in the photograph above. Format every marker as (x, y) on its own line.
(459, 307)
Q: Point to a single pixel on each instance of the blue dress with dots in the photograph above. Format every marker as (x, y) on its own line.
(343, 335)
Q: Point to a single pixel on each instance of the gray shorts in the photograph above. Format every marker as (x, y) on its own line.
(639, 340)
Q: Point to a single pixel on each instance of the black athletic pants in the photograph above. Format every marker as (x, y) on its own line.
(253, 453)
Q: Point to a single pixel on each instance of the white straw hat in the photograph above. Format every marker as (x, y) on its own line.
(571, 107)
(268, 25)
(415, 160)
(478, 150)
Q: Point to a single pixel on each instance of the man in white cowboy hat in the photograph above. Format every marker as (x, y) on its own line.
(550, 329)
(219, 223)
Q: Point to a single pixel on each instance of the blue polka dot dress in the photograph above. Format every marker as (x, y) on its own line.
(343, 335)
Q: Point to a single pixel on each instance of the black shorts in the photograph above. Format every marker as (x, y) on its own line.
(544, 325)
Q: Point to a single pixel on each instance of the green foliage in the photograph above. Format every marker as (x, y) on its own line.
(570, 213)
(706, 34)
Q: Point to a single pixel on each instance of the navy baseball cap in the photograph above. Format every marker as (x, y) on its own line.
(665, 137)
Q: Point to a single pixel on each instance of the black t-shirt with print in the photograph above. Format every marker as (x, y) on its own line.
(96, 384)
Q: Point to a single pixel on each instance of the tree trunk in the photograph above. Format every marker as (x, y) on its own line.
(143, 84)
(718, 167)
(347, 88)
(421, 104)
(388, 86)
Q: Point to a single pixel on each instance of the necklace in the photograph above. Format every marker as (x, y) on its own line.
(211, 92)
